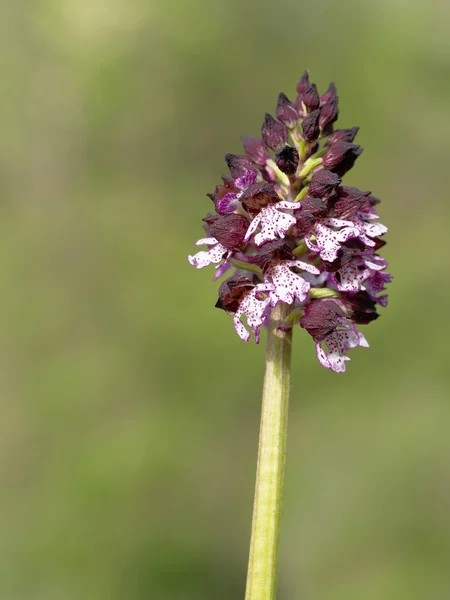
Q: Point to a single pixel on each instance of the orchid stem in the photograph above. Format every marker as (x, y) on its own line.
(264, 545)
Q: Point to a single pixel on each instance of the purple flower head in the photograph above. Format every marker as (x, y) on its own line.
(288, 232)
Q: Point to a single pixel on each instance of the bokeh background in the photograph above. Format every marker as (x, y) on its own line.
(129, 409)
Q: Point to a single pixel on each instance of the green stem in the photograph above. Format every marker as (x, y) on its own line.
(263, 560)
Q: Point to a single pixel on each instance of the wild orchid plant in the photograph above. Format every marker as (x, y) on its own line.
(304, 250)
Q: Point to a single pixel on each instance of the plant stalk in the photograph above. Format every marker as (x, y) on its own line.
(264, 545)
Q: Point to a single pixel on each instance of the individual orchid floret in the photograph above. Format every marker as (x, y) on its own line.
(289, 285)
(333, 333)
(327, 236)
(239, 296)
(230, 201)
(272, 222)
(292, 234)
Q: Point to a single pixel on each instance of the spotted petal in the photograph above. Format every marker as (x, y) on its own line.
(338, 343)
(205, 258)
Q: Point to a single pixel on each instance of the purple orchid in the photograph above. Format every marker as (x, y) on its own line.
(294, 234)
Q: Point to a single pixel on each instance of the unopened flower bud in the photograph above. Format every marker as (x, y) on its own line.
(330, 94)
(238, 164)
(342, 135)
(323, 183)
(341, 157)
(286, 111)
(310, 97)
(303, 84)
(310, 126)
(328, 113)
(287, 160)
(255, 150)
(274, 133)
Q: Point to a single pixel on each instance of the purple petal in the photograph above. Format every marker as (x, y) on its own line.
(227, 204)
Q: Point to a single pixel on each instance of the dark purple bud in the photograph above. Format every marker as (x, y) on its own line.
(328, 113)
(229, 230)
(342, 135)
(238, 164)
(348, 202)
(311, 210)
(272, 251)
(255, 150)
(341, 157)
(286, 111)
(360, 308)
(310, 97)
(287, 160)
(330, 94)
(321, 318)
(310, 126)
(232, 291)
(303, 84)
(323, 183)
(274, 133)
(258, 196)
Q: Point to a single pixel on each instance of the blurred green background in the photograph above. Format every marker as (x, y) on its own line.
(129, 407)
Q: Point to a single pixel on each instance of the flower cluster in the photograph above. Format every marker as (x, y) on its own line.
(293, 233)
